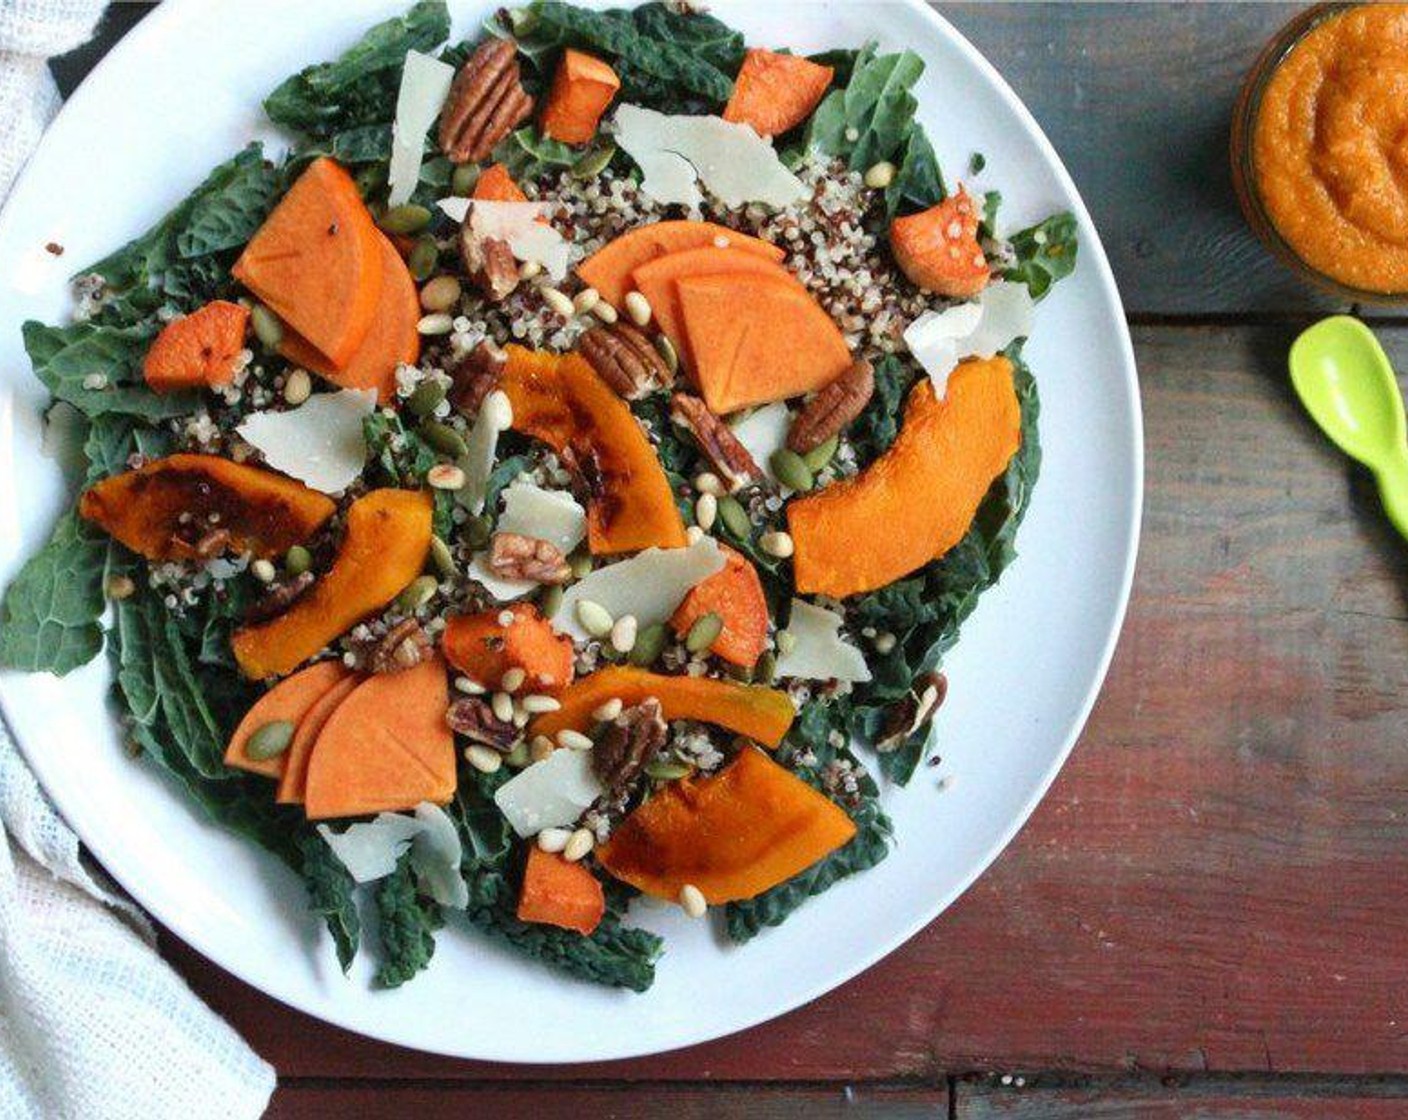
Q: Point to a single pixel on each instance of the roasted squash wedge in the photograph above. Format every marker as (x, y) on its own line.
(558, 893)
(483, 648)
(735, 594)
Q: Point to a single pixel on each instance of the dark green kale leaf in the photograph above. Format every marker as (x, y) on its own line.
(1045, 254)
(918, 182)
(331, 892)
(408, 925)
(398, 456)
(526, 154)
(876, 107)
(704, 36)
(49, 619)
(875, 428)
(97, 369)
(360, 87)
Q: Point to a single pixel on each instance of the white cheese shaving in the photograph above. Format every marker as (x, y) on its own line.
(425, 83)
(764, 431)
(516, 223)
(552, 793)
(939, 340)
(371, 850)
(818, 652)
(481, 448)
(549, 515)
(435, 857)
(679, 153)
(649, 585)
(320, 442)
(504, 590)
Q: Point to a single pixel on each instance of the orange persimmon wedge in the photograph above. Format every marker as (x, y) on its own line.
(609, 269)
(756, 338)
(197, 350)
(735, 594)
(385, 748)
(749, 827)
(483, 648)
(558, 893)
(920, 496)
(776, 92)
(582, 88)
(294, 778)
(938, 248)
(316, 262)
(761, 714)
(290, 700)
(391, 339)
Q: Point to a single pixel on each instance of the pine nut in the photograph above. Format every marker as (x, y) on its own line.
(605, 312)
(513, 679)
(608, 711)
(469, 687)
(623, 633)
(502, 703)
(777, 544)
(554, 839)
(536, 704)
(440, 294)
(520, 717)
(880, 176)
(706, 482)
(120, 587)
(263, 571)
(298, 387)
(579, 845)
(585, 300)
(439, 322)
(484, 759)
(540, 748)
(638, 308)
(706, 509)
(530, 270)
(557, 302)
(498, 410)
(573, 740)
(885, 643)
(693, 534)
(445, 476)
(692, 901)
(596, 620)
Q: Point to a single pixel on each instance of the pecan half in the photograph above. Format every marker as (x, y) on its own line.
(912, 711)
(486, 102)
(474, 375)
(583, 464)
(279, 598)
(489, 262)
(625, 359)
(475, 720)
(405, 646)
(630, 741)
(833, 407)
(729, 458)
(515, 556)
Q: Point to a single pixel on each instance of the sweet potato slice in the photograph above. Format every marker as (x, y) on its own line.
(558, 893)
(562, 401)
(582, 88)
(776, 92)
(198, 350)
(609, 269)
(316, 262)
(749, 827)
(385, 748)
(919, 497)
(757, 338)
(938, 248)
(761, 714)
(291, 700)
(293, 781)
(383, 549)
(482, 648)
(391, 339)
(735, 594)
(257, 510)
(497, 185)
(656, 281)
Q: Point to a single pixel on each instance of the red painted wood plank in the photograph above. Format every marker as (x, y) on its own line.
(1265, 1102)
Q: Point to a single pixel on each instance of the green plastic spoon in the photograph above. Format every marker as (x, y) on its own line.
(1347, 385)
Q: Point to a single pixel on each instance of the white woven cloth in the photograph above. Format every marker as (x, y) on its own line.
(94, 1025)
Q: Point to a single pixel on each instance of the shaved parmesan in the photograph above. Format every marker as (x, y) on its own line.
(372, 849)
(425, 83)
(818, 652)
(649, 585)
(518, 224)
(678, 153)
(369, 851)
(435, 857)
(764, 431)
(549, 515)
(481, 447)
(939, 340)
(550, 794)
(504, 590)
(320, 442)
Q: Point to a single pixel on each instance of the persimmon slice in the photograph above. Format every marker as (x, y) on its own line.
(294, 778)
(200, 349)
(288, 701)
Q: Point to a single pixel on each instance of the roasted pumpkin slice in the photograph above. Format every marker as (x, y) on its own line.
(938, 248)
(187, 506)
(562, 401)
(557, 892)
(746, 829)
(735, 595)
(484, 647)
(920, 496)
(776, 92)
(383, 549)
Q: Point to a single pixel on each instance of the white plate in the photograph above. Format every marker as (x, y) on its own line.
(180, 94)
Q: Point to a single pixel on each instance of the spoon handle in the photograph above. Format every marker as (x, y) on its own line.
(1393, 489)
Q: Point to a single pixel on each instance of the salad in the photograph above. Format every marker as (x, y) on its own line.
(557, 478)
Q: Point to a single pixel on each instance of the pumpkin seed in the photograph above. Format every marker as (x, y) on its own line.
(518, 757)
(650, 643)
(791, 470)
(419, 592)
(766, 668)
(270, 740)
(443, 558)
(581, 564)
(477, 531)
(735, 517)
(426, 398)
(821, 454)
(668, 353)
(704, 633)
(463, 178)
(267, 327)
(263, 570)
(444, 439)
(408, 218)
(551, 601)
(298, 560)
(423, 258)
(667, 770)
(594, 162)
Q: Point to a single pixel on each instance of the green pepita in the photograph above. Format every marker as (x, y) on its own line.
(704, 633)
(408, 218)
(477, 531)
(821, 454)
(443, 558)
(791, 470)
(551, 601)
(667, 770)
(581, 564)
(766, 668)
(298, 560)
(423, 258)
(463, 178)
(425, 398)
(443, 438)
(594, 162)
(735, 518)
(420, 591)
(270, 740)
(668, 353)
(518, 757)
(650, 643)
(267, 327)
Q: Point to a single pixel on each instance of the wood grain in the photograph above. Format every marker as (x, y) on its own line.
(1199, 1101)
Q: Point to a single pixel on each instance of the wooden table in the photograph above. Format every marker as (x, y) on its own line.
(1207, 914)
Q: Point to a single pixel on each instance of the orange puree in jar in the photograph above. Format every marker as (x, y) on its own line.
(1330, 148)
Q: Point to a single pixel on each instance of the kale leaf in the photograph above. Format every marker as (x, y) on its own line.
(408, 925)
(1046, 253)
(872, 117)
(97, 369)
(49, 619)
(526, 154)
(331, 894)
(918, 182)
(398, 456)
